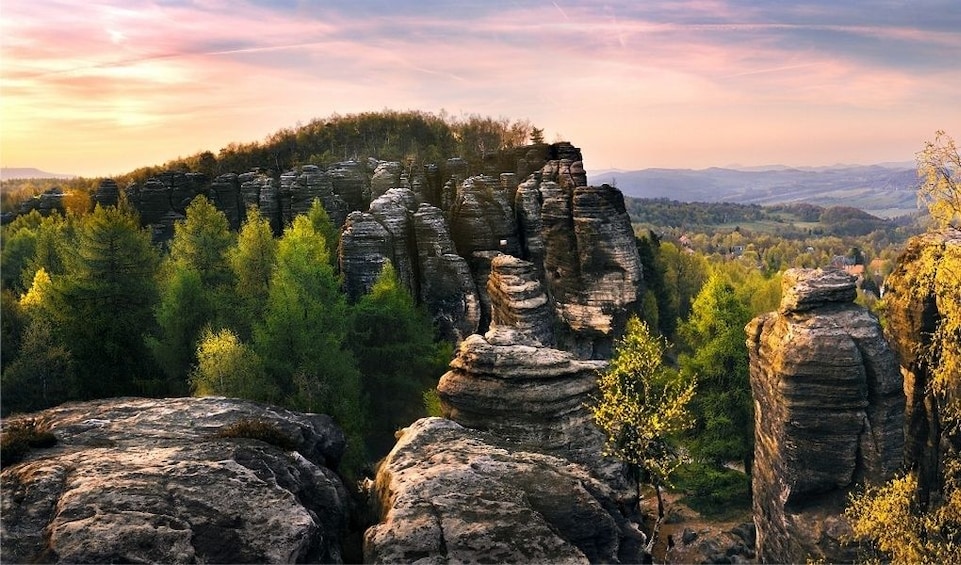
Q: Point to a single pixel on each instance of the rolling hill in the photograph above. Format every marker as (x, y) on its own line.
(887, 190)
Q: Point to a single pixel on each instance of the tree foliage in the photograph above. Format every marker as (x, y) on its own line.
(392, 340)
(939, 168)
(643, 407)
(102, 306)
(723, 407)
(228, 367)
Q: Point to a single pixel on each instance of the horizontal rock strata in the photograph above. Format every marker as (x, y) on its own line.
(829, 414)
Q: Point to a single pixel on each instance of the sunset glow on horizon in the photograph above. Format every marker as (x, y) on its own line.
(104, 87)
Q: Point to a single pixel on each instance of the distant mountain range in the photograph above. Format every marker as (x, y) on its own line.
(8, 173)
(885, 190)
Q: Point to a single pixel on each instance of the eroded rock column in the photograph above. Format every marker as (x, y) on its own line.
(829, 415)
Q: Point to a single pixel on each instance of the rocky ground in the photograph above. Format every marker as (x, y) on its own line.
(688, 537)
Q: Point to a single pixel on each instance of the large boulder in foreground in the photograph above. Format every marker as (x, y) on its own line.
(145, 480)
(450, 494)
(829, 416)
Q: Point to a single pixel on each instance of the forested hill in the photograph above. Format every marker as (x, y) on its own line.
(785, 220)
(387, 135)
(882, 190)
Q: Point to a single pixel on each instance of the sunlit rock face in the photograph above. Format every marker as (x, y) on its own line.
(510, 381)
(145, 480)
(446, 493)
(913, 312)
(829, 415)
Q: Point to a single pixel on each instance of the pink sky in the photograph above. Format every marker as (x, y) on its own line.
(105, 86)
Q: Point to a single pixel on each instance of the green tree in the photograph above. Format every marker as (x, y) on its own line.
(723, 407)
(325, 227)
(228, 367)
(643, 408)
(252, 261)
(201, 242)
(102, 307)
(939, 168)
(392, 340)
(183, 311)
(42, 375)
(195, 285)
(302, 338)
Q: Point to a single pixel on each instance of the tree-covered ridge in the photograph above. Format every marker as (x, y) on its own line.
(388, 135)
(786, 220)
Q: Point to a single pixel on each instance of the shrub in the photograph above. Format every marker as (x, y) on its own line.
(20, 436)
(261, 430)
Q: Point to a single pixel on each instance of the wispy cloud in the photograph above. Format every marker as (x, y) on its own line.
(198, 75)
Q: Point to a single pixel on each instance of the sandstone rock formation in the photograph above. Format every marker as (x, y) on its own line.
(913, 312)
(107, 193)
(365, 246)
(512, 383)
(530, 202)
(829, 415)
(450, 494)
(145, 480)
(225, 196)
(45, 203)
(448, 290)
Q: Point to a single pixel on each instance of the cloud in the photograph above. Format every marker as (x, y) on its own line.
(236, 71)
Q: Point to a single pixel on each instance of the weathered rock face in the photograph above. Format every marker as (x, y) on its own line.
(518, 300)
(590, 259)
(298, 192)
(394, 210)
(225, 196)
(829, 415)
(482, 218)
(449, 494)
(512, 383)
(365, 246)
(913, 313)
(107, 193)
(447, 288)
(45, 203)
(144, 480)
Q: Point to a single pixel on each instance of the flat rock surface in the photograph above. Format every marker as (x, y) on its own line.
(145, 480)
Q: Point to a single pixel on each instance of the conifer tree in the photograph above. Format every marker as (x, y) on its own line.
(392, 340)
(102, 307)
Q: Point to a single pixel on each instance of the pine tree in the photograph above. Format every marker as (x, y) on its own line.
(392, 340)
(102, 307)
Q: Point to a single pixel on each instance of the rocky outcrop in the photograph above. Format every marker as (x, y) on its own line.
(482, 218)
(365, 246)
(591, 265)
(312, 183)
(450, 494)
(386, 175)
(830, 413)
(915, 296)
(45, 203)
(145, 480)
(394, 209)
(107, 193)
(518, 300)
(510, 381)
(448, 290)
(225, 196)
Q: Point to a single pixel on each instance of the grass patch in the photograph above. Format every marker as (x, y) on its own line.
(21, 436)
(718, 494)
(266, 432)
